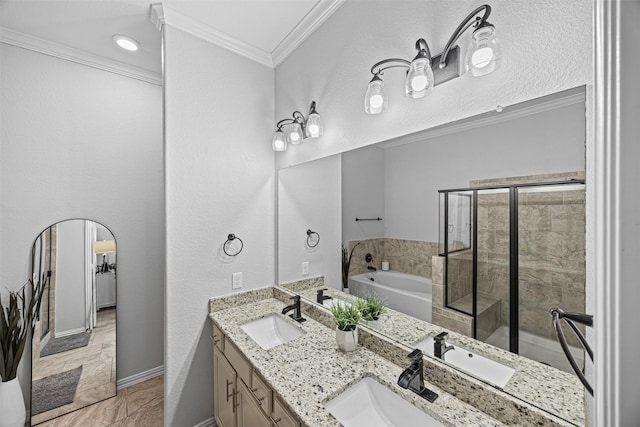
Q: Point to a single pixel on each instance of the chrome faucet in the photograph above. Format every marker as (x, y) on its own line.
(321, 297)
(297, 316)
(413, 377)
(440, 346)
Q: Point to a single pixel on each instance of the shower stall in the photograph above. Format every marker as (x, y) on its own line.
(513, 252)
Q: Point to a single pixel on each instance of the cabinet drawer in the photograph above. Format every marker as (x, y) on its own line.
(262, 392)
(218, 338)
(239, 363)
(281, 416)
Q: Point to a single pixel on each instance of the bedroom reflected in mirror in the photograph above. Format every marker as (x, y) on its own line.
(74, 341)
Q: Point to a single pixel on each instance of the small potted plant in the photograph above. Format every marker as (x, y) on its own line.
(347, 318)
(371, 307)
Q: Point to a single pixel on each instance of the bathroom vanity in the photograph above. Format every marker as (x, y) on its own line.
(290, 384)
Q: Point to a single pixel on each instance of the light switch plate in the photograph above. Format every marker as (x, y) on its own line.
(305, 268)
(236, 280)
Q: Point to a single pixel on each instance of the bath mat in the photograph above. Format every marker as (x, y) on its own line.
(71, 342)
(54, 391)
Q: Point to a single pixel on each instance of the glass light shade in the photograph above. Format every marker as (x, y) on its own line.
(295, 133)
(419, 81)
(375, 100)
(314, 125)
(483, 54)
(279, 142)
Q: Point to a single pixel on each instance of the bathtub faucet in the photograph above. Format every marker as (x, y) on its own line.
(413, 379)
(370, 267)
(297, 316)
(440, 346)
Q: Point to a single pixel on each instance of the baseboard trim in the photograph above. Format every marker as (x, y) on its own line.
(207, 423)
(70, 332)
(140, 377)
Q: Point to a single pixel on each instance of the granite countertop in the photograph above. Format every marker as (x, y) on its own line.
(557, 391)
(309, 371)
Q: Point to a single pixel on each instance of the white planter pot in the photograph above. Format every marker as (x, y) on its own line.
(347, 340)
(12, 410)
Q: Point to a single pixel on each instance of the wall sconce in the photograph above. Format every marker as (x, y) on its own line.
(293, 131)
(424, 71)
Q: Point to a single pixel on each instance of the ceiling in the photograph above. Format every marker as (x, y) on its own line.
(81, 30)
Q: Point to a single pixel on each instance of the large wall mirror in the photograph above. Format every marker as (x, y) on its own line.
(393, 189)
(74, 341)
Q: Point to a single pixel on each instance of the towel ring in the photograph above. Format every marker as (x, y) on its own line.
(310, 239)
(230, 238)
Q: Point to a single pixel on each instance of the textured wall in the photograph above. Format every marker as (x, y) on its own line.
(309, 198)
(332, 66)
(219, 179)
(77, 142)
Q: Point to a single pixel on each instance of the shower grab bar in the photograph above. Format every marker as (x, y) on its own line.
(585, 319)
(369, 219)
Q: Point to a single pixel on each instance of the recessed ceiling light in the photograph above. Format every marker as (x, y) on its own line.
(126, 43)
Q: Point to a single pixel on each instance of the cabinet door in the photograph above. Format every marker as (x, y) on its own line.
(281, 416)
(224, 392)
(249, 412)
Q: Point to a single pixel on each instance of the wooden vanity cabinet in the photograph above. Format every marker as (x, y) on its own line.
(241, 397)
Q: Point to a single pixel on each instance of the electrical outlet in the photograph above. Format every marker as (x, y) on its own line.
(236, 280)
(305, 268)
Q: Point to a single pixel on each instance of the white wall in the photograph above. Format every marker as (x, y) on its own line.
(617, 206)
(70, 277)
(546, 49)
(219, 176)
(65, 131)
(363, 193)
(547, 142)
(309, 197)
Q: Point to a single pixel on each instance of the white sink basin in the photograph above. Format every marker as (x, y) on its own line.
(271, 331)
(472, 363)
(369, 403)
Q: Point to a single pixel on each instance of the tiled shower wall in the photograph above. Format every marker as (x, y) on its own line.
(407, 256)
(551, 251)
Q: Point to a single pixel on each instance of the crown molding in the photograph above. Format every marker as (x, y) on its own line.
(487, 119)
(35, 44)
(161, 14)
(322, 10)
(189, 25)
(156, 15)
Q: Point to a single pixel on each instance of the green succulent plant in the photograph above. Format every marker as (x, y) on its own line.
(371, 307)
(17, 320)
(346, 316)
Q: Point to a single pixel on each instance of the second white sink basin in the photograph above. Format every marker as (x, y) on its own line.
(271, 331)
(369, 403)
(478, 366)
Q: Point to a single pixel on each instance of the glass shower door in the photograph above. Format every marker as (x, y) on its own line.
(551, 267)
(492, 318)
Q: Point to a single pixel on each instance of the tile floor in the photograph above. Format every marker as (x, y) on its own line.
(98, 379)
(140, 405)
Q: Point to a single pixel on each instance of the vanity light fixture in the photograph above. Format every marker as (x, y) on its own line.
(293, 131)
(126, 42)
(424, 71)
